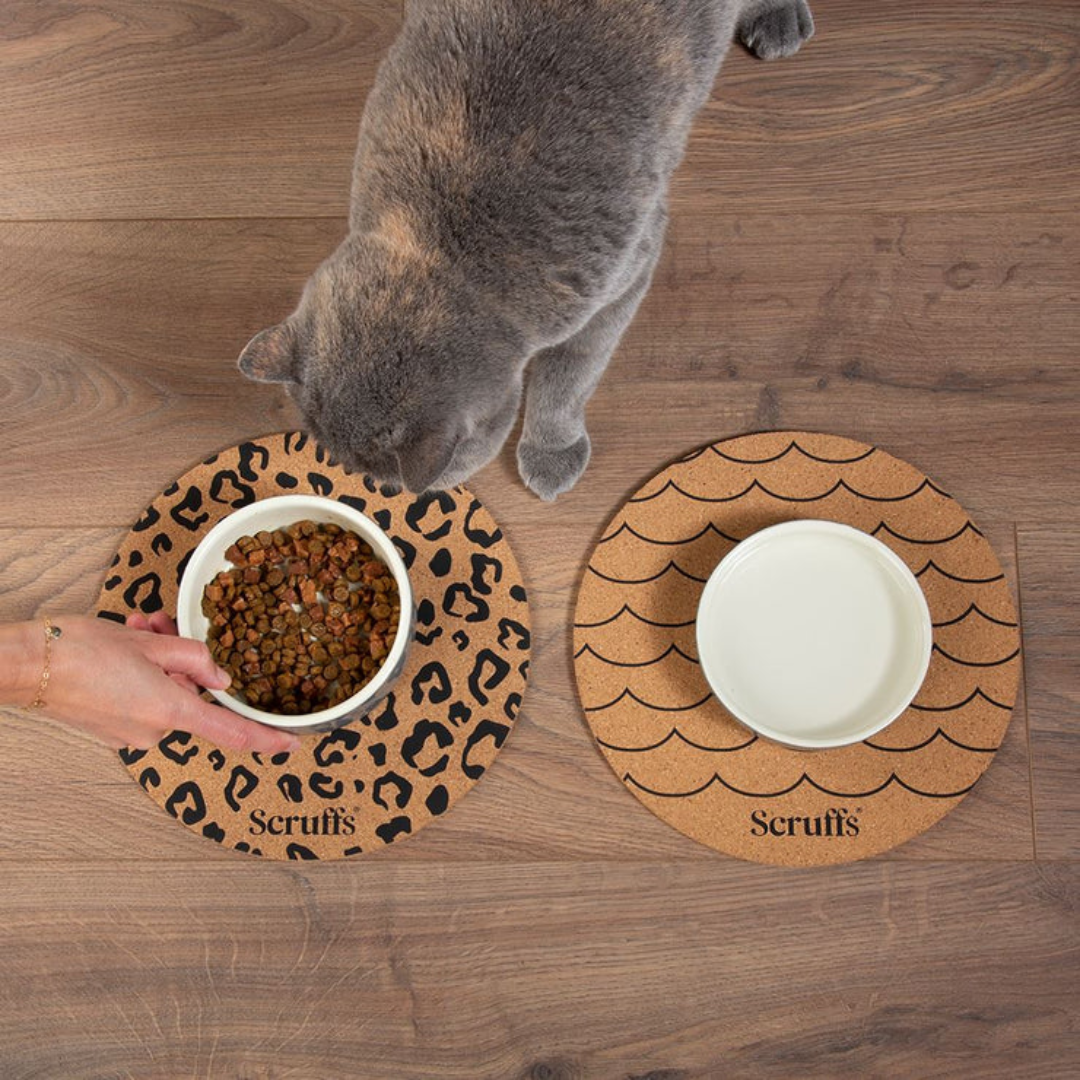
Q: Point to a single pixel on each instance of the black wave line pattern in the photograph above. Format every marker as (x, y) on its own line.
(976, 693)
(840, 485)
(974, 609)
(627, 527)
(939, 734)
(977, 663)
(654, 577)
(793, 445)
(931, 565)
(675, 733)
(626, 609)
(646, 704)
(804, 779)
(968, 526)
(673, 648)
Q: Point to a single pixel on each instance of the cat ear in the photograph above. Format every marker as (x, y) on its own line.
(423, 460)
(270, 356)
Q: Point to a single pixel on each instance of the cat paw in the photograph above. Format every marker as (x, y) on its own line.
(549, 472)
(778, 30)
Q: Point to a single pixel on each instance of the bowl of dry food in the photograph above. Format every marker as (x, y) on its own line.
(306, 603)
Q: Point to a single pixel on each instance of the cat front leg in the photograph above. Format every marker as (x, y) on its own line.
(554, 447)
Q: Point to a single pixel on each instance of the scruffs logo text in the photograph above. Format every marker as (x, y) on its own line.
(331, 822)
(835, 822)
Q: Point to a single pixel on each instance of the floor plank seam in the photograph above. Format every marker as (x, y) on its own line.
(728, 208)
(1027, 710)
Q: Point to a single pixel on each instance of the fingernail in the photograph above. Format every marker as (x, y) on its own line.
(224, 678)
(293, 744)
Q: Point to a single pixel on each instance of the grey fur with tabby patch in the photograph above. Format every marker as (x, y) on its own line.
(508, 207)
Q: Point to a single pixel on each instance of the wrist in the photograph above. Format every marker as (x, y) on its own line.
(22, 661)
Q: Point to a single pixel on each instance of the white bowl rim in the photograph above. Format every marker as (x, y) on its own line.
(850, 533)
(307, 506)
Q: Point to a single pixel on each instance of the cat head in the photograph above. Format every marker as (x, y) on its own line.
(396, 370)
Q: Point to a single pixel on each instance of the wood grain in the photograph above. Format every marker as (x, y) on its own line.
(1050, 607)
(928, 106)
(246, 109)
(210, 109)
(387, 969)
(826, 323)
(877, 238)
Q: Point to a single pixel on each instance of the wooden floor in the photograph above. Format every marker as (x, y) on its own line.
(878, 238)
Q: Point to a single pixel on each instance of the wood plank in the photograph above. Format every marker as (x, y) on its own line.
(595, 970)
(1050, 600)
(925, 105)
(244, 109)
(941, 295)
(550, 794)
(119, 342)
(224, 108)
(53, 570)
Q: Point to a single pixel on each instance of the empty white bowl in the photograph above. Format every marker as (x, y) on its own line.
(208, 560)
(813, 634)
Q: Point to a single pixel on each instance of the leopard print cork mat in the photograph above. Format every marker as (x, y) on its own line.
(380, 778)
(675, 747)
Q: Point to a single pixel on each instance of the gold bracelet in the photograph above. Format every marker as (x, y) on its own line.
(50, 633)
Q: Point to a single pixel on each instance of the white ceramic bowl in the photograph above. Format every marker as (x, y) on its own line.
(813, 634)
(208, 560)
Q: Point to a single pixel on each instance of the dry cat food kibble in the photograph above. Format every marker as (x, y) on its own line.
(305, 619)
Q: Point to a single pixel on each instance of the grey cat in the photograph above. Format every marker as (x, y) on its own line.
(508, 208)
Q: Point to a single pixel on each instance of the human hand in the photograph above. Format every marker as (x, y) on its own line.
(131, 685)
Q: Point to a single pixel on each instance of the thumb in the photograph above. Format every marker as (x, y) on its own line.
(182, 656)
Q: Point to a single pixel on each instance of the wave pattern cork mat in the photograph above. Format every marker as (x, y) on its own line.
(380, 778)
(676, 748)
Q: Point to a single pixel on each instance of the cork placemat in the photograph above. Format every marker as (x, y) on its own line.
(676, 748)
(387, 775)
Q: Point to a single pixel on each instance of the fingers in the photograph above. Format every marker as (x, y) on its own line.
(181, 656)
(189, 665)
(233, 732)
(211, 722)
(185, 682)
(160, 623)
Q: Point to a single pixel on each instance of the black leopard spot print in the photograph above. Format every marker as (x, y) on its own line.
(380, 778)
